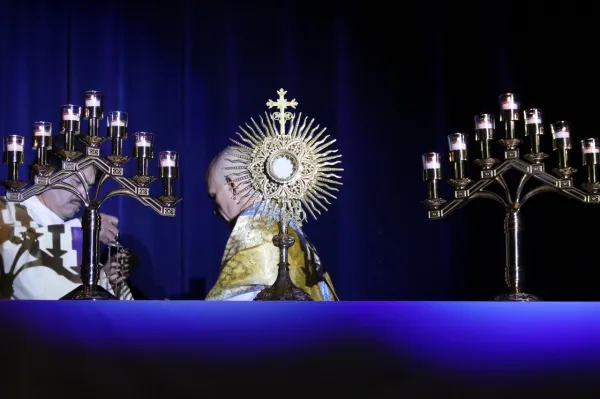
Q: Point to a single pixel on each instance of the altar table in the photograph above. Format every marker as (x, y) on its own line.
(181, 349)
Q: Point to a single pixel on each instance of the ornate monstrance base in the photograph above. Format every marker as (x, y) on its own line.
(90, 293)
(283, 290)
(517, 297)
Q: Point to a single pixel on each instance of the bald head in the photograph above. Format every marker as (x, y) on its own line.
(219, 189)
(219, 163)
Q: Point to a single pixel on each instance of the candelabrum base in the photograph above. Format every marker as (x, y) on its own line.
(90, 293)
(564, 173)
(517, 297)
(283, 290)
(274, 293)
(14, 185)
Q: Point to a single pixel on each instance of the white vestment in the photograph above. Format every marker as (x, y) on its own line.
(38, 254)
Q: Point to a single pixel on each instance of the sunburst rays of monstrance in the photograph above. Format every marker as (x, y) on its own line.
(286, 171)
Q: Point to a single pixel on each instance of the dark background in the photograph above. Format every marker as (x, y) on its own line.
(389, 80)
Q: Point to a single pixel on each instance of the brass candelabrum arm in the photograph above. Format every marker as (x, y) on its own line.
(43, 184)
(549, 184)
(128, 188)
(530, 172)
(146, 200)
(439, 208)
(109, 172)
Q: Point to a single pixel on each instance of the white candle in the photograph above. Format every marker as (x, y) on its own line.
(69, 116)
(591, 150)
(167, 162)
(533, 120)
(142, 143)
(484, 125)
(92, 102)
(14, 147)
(117, 122)
(562, 135)
(458, 146)
(510, 105)
(432, 165)
(42, 132)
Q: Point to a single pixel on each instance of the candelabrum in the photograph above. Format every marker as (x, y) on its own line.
(493, 170)
(47, 177)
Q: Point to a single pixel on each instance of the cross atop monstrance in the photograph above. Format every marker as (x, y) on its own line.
(282, 104)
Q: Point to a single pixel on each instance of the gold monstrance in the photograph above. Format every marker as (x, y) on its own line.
(284, 172)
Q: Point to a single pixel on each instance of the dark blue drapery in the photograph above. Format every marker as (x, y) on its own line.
(389, 85)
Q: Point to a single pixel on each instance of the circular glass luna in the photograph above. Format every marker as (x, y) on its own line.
(282, 167)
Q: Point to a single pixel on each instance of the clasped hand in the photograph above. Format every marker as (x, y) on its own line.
(118, 267)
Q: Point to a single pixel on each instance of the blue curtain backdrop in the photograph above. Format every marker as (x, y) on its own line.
(389, 85)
